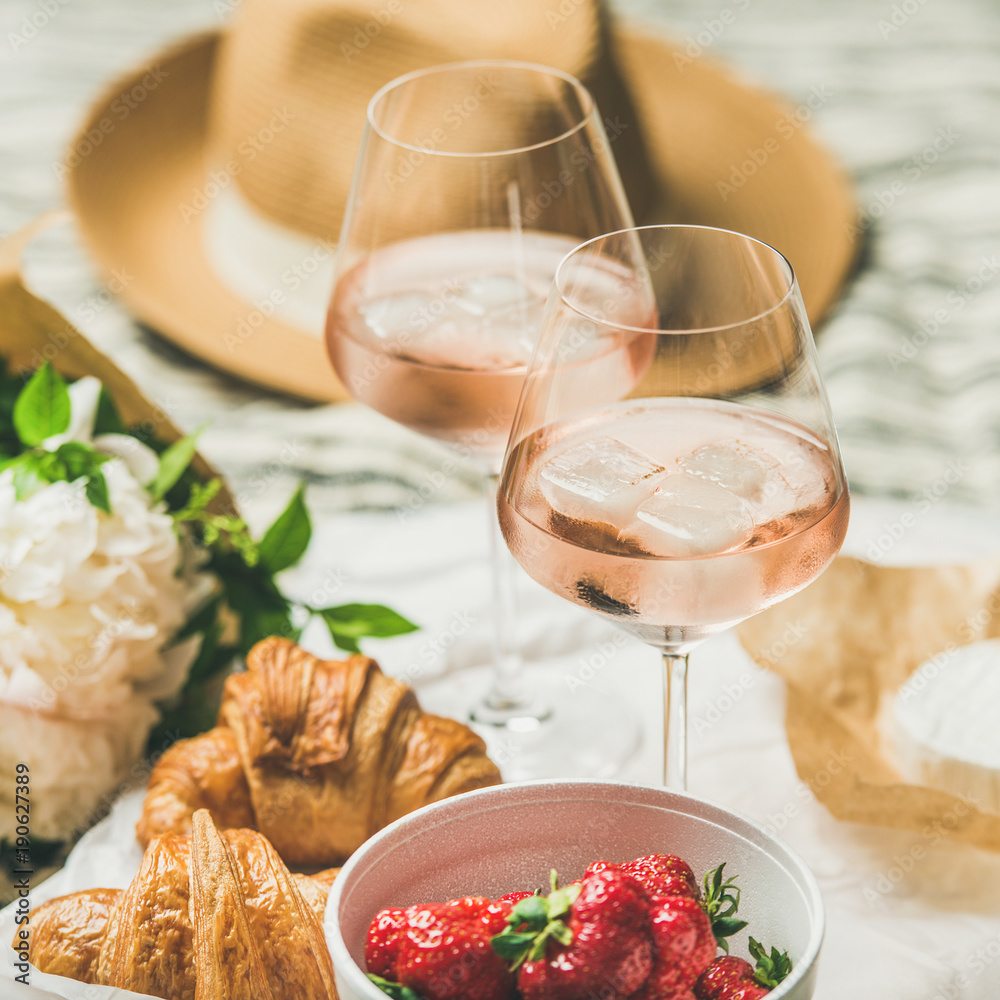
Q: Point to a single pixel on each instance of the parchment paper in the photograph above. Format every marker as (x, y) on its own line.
(844, 646)
(106, 856)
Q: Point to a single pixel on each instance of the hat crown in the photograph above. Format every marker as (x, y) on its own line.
(294, 78)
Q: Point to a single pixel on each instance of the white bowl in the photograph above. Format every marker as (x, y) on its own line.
(495, 840)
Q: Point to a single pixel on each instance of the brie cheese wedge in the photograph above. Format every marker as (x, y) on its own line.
(945, 725)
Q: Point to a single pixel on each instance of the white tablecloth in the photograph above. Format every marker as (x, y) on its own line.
(910, 917)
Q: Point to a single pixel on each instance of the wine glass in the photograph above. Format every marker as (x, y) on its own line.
(472, 182)
(710, 490)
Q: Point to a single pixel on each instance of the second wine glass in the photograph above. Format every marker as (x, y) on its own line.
(472, 182)
(711, 489)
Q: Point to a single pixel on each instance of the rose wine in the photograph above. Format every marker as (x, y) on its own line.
(674, 517)
(436, 332)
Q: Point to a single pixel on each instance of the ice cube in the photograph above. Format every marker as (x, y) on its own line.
(602, 480)
(391, 315)
(486, 322)
(486, 293)
(688, 516)
(477, 343)
(734, 466)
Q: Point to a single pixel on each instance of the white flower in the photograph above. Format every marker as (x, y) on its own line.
(90, 604)
(75, 767)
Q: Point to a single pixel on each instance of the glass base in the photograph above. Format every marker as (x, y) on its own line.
(583, 733)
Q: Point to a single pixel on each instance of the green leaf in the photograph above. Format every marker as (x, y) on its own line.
(562, 899)
(43, 408)
(512, 946)
(107, 420)
(771, 969)
(10, 389)
(722, 900)
(286, 541)
(533, 923)
(561, 932)
(79, 459)
(532, 912)
(29, 475)
(395, 990)
(262, 609)
(727, 926)
(173, 462)
(349, 622)
(97, 491)
(343, 642)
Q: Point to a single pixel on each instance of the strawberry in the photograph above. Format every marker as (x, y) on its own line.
(728, 977)
(683, 945)
(664, 875)
(515, 897)
(382, 943)
(588, 939)
(442, 951)
(731, 978)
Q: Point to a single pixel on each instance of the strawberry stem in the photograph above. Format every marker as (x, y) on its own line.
(722, 900)
(533, 922)
(771, 969)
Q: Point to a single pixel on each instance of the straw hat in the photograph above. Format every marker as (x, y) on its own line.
(211, 182)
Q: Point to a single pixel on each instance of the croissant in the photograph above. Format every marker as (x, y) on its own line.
(212, 916)
(315, 754)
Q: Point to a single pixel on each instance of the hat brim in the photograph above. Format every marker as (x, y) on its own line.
(729, 156)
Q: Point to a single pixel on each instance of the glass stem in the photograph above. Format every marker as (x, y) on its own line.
(675, 670)
(507, 690)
